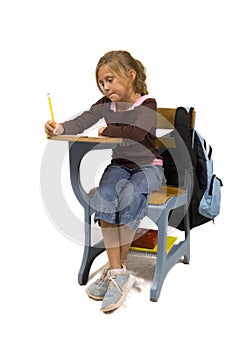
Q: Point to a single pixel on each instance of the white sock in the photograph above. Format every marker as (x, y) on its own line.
(115, 271)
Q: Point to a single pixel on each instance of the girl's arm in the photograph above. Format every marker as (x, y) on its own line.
(144, 123)
(80, 123)
(85, 120)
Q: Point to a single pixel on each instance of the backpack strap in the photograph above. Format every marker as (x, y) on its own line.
(208, 154)
(182, 127)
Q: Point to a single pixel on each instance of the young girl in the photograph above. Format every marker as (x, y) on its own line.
(121, 200)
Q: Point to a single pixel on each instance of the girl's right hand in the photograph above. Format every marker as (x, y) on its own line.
(51, 129)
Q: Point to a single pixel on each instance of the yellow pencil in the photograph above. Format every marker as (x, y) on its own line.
(51, 109)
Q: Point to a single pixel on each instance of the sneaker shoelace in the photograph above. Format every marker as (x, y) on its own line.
(103, 278)
(112, 283)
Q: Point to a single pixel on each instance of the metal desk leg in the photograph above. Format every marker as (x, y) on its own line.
(76, 152)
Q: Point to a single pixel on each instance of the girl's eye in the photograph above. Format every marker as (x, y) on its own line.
(108, 80)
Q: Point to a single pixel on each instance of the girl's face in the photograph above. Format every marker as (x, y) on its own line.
(115, 88)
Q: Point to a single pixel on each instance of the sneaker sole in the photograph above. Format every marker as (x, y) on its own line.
(94, 297)
(112, 307)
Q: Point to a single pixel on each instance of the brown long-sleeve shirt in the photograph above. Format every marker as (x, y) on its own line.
(136, 126)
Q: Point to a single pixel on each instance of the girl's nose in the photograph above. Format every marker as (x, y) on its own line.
(106, 88)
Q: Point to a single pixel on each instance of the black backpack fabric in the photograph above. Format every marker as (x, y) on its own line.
(187, 156)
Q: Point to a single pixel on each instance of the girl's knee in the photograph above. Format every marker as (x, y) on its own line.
(107, 193)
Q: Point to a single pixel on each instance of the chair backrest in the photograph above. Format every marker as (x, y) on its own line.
(166, 121)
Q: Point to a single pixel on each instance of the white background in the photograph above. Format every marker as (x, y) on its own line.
(53, 46)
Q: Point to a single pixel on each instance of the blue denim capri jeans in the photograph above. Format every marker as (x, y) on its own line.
(123, 193)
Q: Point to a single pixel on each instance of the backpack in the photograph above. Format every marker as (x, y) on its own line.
(206, 194)
(210, 202)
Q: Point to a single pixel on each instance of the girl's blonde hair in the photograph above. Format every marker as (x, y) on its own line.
(120, 62)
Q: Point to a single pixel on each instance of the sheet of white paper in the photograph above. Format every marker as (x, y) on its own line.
(94, 132)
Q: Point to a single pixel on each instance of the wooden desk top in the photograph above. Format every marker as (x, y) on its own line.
(79, 138)
(160, 141)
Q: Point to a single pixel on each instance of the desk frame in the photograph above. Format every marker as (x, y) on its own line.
(78, 148)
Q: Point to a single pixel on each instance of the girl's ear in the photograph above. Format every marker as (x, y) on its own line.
(132, 74)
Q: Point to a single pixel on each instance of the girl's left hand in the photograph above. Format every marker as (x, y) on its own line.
(100, 130)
